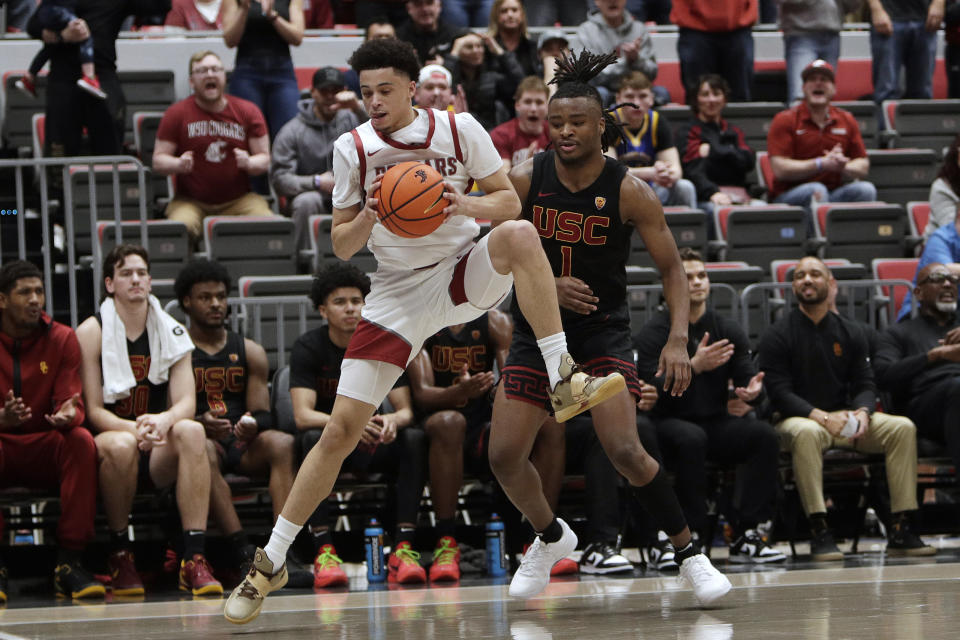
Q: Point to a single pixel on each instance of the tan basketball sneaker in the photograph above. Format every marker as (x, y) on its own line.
(245, 602)
(577, 392)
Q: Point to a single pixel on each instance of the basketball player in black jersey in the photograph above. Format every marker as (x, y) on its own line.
(585, 207)
(155, 420)
(233, 403)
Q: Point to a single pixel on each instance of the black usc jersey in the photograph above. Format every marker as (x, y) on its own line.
(582, 233)
(449, 352)
(221, 379)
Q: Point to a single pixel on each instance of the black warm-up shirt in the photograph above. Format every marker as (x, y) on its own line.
(901, 360)
(824, 366)
(707, 395)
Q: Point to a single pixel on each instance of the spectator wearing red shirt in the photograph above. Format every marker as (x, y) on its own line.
(317, 14)
(212, 143)
(520, 138)
(196, 15)
(816, 151)
(43, 443)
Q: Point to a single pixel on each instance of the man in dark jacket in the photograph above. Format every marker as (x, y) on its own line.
(821, 387)
(919, 359)
(696, 427)
(43, 443)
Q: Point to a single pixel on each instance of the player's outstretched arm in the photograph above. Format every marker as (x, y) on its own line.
(640, 205)
(499, 203)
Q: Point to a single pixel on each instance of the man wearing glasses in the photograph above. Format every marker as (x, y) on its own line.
(823, 396)
(942, 246)
(919, 358)
(212, 143)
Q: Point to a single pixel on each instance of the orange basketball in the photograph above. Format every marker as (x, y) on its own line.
(411, 201)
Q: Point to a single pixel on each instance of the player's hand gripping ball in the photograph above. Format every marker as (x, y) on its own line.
(411, 201)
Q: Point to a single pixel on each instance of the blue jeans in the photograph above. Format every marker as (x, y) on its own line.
(729, 54)
(269, 83)
(910, 47)
(681, 194)
(467, 13)
(546, 13)
(802, 196)
(803, 48)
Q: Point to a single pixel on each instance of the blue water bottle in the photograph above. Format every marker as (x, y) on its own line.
(496, 547)
(373, 542)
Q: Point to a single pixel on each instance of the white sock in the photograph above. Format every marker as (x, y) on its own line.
(552, 348)
(280, 540)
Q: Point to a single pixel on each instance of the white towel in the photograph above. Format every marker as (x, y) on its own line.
(169, 341)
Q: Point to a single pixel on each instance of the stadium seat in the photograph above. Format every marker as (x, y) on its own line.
(323, 248)
(865, 113)
(249, 246)
(145, 125)
(281, 405)
(924, 124)
(689, 229)
(918, 214)
(19, 109)
(902, 175)
(764, 170)
(167, 241)
(861, 231)
(146, 91)
(754, 119)
(895, 269)
(759, 234)
(260, 320)
(128, 191)
(676, 114)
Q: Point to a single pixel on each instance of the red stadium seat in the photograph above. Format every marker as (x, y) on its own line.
(895, 269)
(764, 170)
(919, 216)
(39, 129)
(820, 220)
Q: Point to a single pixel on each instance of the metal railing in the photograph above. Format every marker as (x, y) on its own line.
(93, 166)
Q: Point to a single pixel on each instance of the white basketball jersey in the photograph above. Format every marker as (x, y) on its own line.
(453, 144)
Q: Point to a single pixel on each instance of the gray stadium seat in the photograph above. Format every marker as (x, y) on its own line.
(145, 91)
(261, 319)
(754, 119)
(323, 248)
(249, 246)
(167, 242)
(757, 235)
(865, 112)
(129, 193)
(902, 175)
(19, 109)
(689, 229)
(862, 231)
(924, 124)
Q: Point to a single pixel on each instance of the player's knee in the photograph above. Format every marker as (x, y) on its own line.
(117, 448)
(523, 238)
(629, 458)
(337, 440)
(446, 428)
(504, 461)
(189, 436)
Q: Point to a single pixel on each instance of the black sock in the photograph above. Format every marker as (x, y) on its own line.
(680, 555)
(818, 522)
(446, 527)
(552, 533)
(239, 544)
(660, 501)
(120, 540)
(193, 543)
(320, 537)
(405, 534)
(68, 556)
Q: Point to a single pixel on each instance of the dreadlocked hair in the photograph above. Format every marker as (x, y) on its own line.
(573, 76)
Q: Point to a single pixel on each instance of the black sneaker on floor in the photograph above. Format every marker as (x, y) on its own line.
(73, 581)
(906, 543)
(603, 558)
(750, 548)
(661, 556)
(823, 548)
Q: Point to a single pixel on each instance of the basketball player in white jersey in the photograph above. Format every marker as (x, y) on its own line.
(421, 284)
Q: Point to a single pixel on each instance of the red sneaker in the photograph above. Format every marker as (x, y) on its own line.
(123, 574)
(197, 577)
(404, 566)
(446, 561)
(26, 85)
(91, 85)
(326, 569)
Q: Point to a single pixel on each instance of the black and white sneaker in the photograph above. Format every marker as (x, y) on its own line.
(661, 556)
(603, 558)
(750, 548)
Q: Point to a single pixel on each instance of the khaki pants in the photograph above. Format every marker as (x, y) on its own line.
(894, 436)
(192, 212)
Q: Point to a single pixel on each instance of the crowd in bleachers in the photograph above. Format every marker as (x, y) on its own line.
(241, 173)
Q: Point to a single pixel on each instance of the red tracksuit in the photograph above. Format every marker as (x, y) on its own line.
(44, 370)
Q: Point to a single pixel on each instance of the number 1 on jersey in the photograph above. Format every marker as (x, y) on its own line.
(566, 256)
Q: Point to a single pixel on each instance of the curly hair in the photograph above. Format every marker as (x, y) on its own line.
(199, 270)
(573, 76)
(385, 53)
(334, 275)
(16, 270)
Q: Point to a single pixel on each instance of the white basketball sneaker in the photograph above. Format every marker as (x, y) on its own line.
(708, 584)
(534, 573)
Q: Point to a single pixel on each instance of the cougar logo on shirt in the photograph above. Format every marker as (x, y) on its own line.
(215, 152)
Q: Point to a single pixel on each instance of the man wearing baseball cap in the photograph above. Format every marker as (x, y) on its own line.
(816, 150)
(302, 166)
(434, 88)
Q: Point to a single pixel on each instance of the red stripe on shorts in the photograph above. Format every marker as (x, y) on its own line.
(372, 342)
(457, 289)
